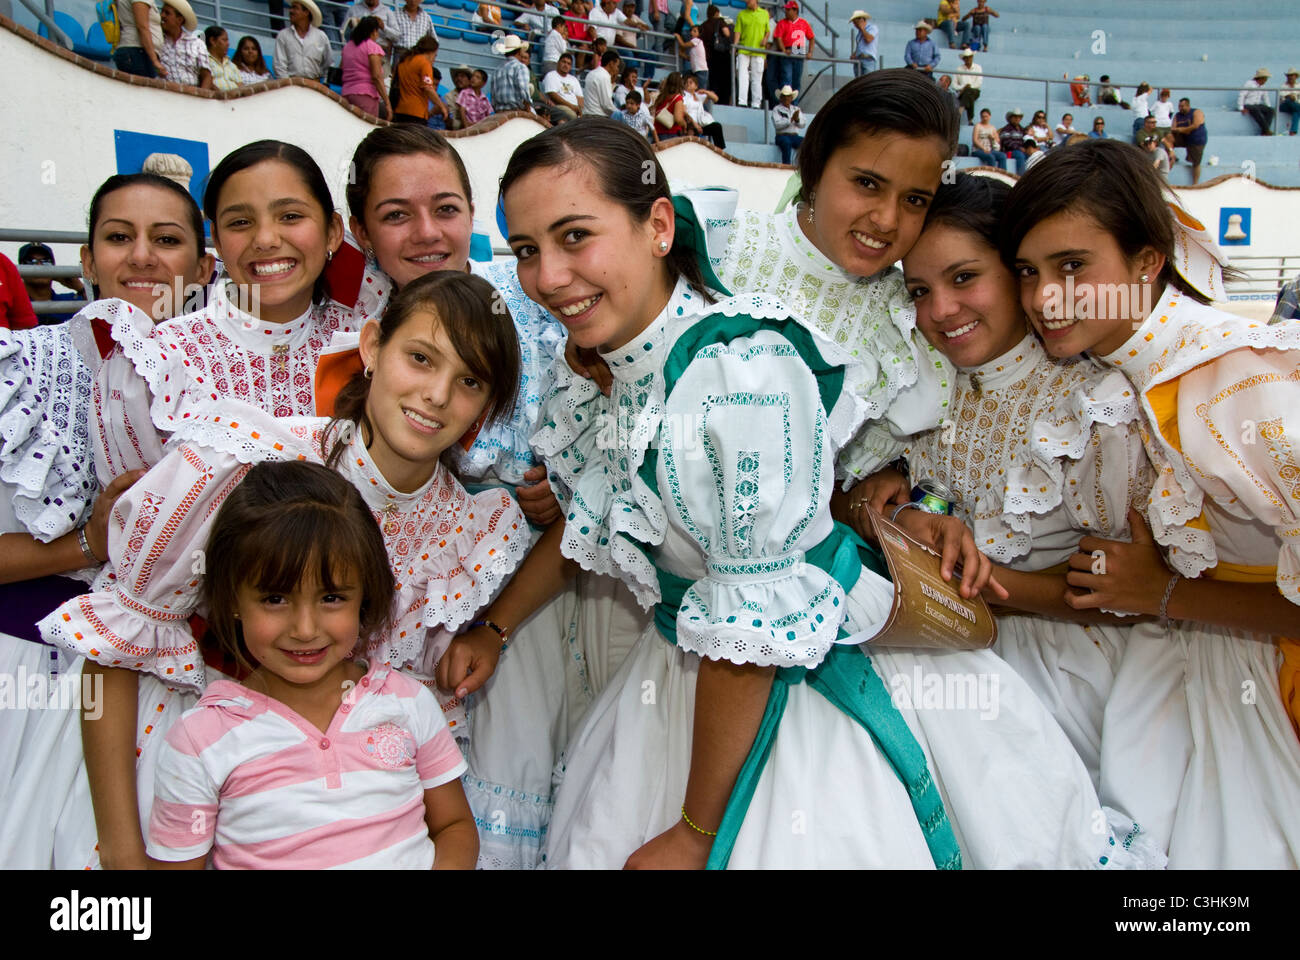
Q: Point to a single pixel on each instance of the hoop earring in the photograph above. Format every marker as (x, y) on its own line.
(368, 372)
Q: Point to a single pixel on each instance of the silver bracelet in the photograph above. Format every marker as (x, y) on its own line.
(900, 508)
(1169, 592)
(91, 559)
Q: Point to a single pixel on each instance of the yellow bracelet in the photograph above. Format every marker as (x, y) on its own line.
(691, 824)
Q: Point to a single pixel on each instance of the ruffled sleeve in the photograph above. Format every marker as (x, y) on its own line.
(503, 449)
(750, 429)
(158, 530)
(45, 450)
(1239, 425)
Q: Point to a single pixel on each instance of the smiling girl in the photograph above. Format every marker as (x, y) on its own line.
(431, 371)
(1093, 240)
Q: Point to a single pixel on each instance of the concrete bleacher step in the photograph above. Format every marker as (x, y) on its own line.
(757, 152)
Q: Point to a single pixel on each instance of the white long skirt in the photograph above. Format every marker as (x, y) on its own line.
(1015, 790)
(1211, 763)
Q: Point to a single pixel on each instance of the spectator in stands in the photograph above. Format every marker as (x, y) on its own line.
(696, 56)
(979, 23)
(794, 41)
(363, 70)
(1189, 132)
(252, 65)
(16, 311)
(1098, 131)
(670, 106)
(787, 120)
(183, 52)
(969, 81)
(486, 17)
(387, 34)
(628, 81)
(535, 20)
(1011, 139)
(1146, 132)
(1141, 105)
(1289, 102)
(417, 89)
(717, 34)
(984, 143)
(140, 38)
(225, 75)
(945, 84)
(599, 87)
(605, 17)
(598, 49)
(553, 44)
(1159, 158)
(459, 83)
(951, 22)
(626, 37)
(510, 84)
(562, 90)
(1255, 103)
(1163, 111)
(1033, 152)
(474, 103)
(41, 289)
(1064, 130)
(865, 56)
(580, 33)
(1109, 94)
(635, 115)
(698, 118)
(1039, 131)
(921, 53)
(411, 23)
(1079, 91)
(301, 49)
(753, 32)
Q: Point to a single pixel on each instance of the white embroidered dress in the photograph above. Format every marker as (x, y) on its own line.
(1039, 453)
(743, 451)
(450, 553)
(1220, 762)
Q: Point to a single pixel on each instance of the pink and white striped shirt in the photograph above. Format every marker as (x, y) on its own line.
(246, 775)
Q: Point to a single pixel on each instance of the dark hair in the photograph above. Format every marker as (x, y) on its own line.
(261, 60)
(286, 522)
(482, 73)
(475, 320)
(364, 30)
(1143, 88)
(711, 11)
(259, 151)
(566, 55)
(426, 44)
(672, 86)
(120, 181)
(436, 73)
(1108, 180)
(599, 40)
(898, 100)
(627, 71)
(211, 33)
(626, 164)
(971, 203)
(633, 95)
(557, 23)
(397, 140)
(610, 56)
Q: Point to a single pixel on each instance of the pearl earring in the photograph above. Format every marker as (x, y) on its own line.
(663, 246)
(1144, 278)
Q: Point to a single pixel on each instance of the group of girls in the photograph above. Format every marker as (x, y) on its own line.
(629, 561)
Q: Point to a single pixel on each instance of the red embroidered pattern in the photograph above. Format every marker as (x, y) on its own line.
(177, 518)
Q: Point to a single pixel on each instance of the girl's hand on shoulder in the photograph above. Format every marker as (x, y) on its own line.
(469, 662)
(955, 544)
(588, 363)
(97, 527)
(538, 500)
(677, 848)
(1129, 577)
(882, 488)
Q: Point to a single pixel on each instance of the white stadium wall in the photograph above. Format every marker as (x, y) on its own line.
(65, 131)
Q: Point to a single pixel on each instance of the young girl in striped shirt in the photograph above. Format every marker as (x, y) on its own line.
(314, 760)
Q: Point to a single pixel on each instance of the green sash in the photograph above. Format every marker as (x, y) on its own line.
(847, 680)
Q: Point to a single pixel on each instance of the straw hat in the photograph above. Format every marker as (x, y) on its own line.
(922, 25)
(187, 13)
(787, 92)
(309, 4)
(1293, 72)
(967, 52)
(509, 44)
(1262, 72)
(859, 15)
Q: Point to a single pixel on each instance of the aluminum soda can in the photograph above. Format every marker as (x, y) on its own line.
(932, 497)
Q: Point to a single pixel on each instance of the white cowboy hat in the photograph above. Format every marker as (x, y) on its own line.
(967, 52)
(787, 92)
(187, 13)
(922, 25)
(859, 15)
(509, 44)
(1293, 72)
(311, 8)
(1263, 72)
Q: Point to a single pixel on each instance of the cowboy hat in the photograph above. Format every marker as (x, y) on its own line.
(922, 25)
(787, 92)
(311, 8)
(1292, 72)
(859, 15)
(967, 52)
(1263, 72)
(509, 44)
(187, 13)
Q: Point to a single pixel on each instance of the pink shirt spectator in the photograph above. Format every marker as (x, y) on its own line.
(475, 104)
(356, 68)
(248, 778)
(698, 59)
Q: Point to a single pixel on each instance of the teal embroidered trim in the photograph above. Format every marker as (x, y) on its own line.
(747, 500)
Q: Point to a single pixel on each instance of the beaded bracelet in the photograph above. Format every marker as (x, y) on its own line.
(1169, 592)
(690, 823)
(502, 632)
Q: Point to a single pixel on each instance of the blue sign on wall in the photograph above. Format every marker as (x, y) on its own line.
(1234, 226)
(132, 149)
